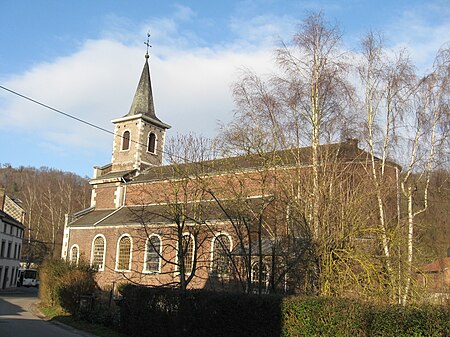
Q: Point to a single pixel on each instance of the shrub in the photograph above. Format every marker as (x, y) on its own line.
(322, 316)
(63, 283)
(409, 321)
(168, 312)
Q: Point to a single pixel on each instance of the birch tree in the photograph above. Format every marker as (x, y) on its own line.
(388, 83)
(429, 109)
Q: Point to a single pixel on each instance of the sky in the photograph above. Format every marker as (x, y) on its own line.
(85, 58)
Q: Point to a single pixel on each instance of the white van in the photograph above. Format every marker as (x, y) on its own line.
(27, 278)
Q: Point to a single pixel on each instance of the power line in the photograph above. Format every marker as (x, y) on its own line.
(56, 110)
(86, 122)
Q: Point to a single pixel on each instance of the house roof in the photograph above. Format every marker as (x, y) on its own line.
(436, 266)
(5, 217)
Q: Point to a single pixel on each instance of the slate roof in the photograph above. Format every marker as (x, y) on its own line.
(344, 152)
(114, 175)
(143, 99)
(5, 217)
(159, 214)
(267, 247)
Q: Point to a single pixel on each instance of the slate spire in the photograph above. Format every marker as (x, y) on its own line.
(143, 98)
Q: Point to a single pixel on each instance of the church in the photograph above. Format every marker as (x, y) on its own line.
(228, 223)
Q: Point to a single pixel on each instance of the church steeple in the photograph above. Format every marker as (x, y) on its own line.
(143, 98)
(139, 140)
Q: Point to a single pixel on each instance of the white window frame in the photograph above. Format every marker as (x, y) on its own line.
(104, 251)
(118, 250)
(193, 252)
(266, 284)
(123, 138)
(213, 243)
(78, 253)
(145, 270)
(148, 142)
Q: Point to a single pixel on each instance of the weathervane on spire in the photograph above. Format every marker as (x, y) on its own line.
(147, 44)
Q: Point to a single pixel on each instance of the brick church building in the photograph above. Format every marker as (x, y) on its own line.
(213, 224)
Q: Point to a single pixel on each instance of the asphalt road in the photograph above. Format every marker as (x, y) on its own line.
(18, 319)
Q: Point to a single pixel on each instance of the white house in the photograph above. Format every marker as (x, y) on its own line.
(11, 234)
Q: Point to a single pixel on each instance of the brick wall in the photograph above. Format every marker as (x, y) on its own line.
(105, 196)
(84, 239)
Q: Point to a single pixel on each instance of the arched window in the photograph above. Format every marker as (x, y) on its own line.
(255, 276)
(187, 246)
(153, 254)
(123, 261)
(98, 253)
(221, 255)
(74, 254)
(126, 141)
(151, 144)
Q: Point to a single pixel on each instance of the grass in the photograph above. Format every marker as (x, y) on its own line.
(58, 314)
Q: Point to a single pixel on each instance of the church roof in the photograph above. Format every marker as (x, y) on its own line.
(347, 152)
(113, 176)
(206, 210)
(143, 105)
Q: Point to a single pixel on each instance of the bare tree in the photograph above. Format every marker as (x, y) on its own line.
(46, 195)
(388, 84)
(429, 106)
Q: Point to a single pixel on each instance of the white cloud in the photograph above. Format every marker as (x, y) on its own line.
(97, 84)
(191, 79)
(422, 32)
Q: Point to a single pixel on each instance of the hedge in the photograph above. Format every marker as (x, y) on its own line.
(169, 312)
(63, 283)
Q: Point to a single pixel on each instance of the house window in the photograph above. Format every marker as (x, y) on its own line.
(187, 246)
(126, 141)
(124, 253)
(255, 276)
(151, 145)
(12, 276)
(153, 254)
(220, 255)
(98, 253)
(74, 254)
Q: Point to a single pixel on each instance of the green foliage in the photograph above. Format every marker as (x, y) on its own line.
(167, 312)
(321, 316)
(409, 321)
(62, 284)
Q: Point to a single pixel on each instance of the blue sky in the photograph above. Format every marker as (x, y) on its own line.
(85, 58)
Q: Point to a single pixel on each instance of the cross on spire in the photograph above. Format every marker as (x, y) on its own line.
(147, 44)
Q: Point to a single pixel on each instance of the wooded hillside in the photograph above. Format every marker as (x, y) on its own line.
(46, 195)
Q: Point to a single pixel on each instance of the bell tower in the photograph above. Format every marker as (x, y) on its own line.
(139, 135)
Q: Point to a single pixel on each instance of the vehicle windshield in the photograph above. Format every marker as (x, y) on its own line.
(30, 274)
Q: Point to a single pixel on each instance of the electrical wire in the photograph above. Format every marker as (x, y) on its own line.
(87, 123)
